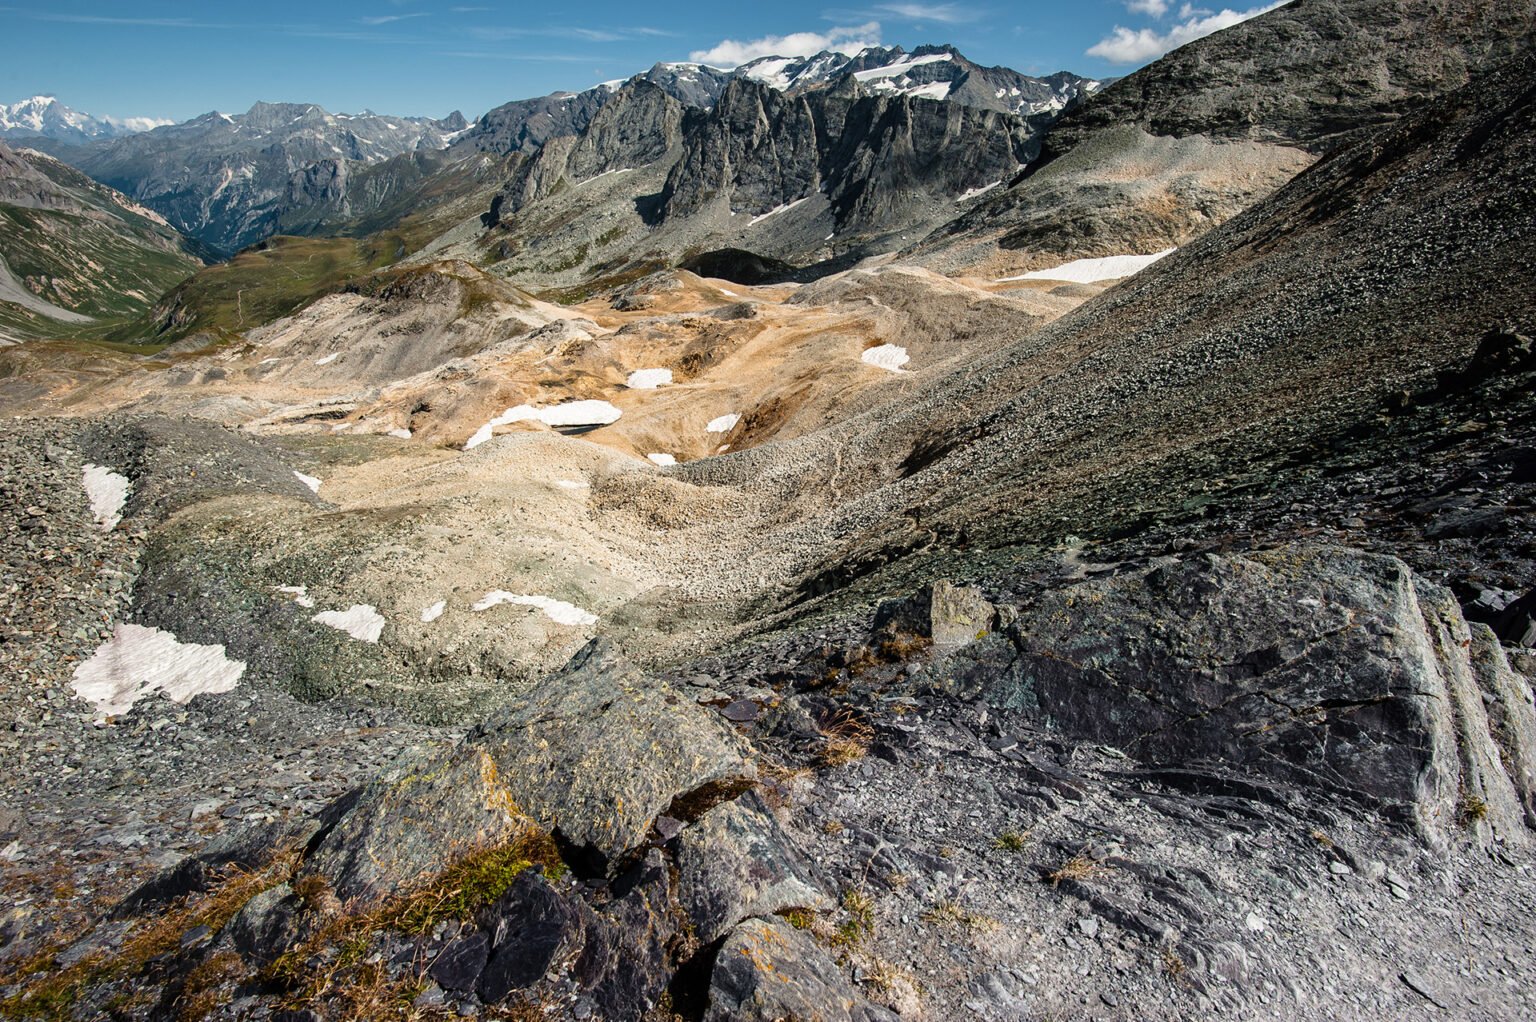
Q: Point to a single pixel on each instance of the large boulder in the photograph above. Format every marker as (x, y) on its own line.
(597, 753)
(1332, 668)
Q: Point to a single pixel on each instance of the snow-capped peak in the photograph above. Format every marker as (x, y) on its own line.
(44, 115)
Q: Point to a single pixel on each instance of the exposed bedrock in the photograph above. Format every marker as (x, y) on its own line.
(1328, 668)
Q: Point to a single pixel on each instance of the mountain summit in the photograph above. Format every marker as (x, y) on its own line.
(45, 116)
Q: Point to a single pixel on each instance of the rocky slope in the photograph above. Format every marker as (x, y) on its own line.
(1166, 153)
(72, 251)
(229, 180)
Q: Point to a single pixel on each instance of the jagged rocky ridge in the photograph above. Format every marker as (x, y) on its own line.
(934, 72)
(832, 167)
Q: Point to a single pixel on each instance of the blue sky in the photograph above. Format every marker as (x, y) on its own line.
(155, 58)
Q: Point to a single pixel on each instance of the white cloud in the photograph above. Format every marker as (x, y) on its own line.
(1153, 8)
(848, 39)
(385, 19)
(944, 14)
(138, 123)
(1127, 46)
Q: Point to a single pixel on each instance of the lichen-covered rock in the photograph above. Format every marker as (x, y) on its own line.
(1321, 666)
(736, 862)
(598, 752)
(768, 971)
(403, 830)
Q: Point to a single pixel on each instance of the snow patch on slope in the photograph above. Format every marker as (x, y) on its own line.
(649, 379)
(361, 621)
(1091, 271)
(107, 491)
(557, 611)
(571, 413)
(138, 661)
(722, 424)
(890, 357)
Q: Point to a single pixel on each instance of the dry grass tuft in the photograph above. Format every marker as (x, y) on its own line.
(1080, 867)
(949, 914)
(860, 923)
(1011, 840)
(1175, 968)
(903, 646)
(209, 986)
(49, 993)
(846, 738)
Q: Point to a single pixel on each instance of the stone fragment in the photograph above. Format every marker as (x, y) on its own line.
(459, 965)
(532, 928)
(736, 862)
(768, 971)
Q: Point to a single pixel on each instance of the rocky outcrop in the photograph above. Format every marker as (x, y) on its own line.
(1317, 667)
(639, 125)
(875, 157)
(767, 971)
(1160, 157)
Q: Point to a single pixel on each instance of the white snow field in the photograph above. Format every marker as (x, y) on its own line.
(107, 491)
(138, 661)
(890, 357)
(722, 424)
(649, 379)
(1091, 271)
(362, 621)
(557, 611)
(571, 413)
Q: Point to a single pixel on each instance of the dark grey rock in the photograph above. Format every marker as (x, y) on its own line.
(767, 971)
(628, 961)
(532, 929)
(267, 925)
(735, 862)
(461, 961)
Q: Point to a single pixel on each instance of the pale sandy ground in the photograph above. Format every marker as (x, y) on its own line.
(663, 563)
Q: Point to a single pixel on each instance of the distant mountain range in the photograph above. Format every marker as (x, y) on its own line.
(46, 117)
(227, 179)
(231, 180)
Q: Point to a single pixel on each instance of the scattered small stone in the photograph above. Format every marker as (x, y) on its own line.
(1418, 986)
